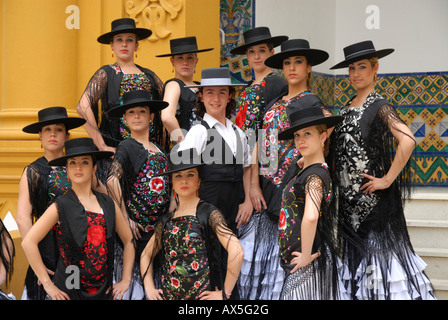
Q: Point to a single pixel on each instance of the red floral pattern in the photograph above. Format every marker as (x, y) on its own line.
(93, 267)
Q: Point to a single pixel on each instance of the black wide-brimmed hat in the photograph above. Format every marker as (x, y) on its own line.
(296, 47)
(256, 36)
(180, 160)
(306, 112)
(53, 115)
(124, 25)
(216, 77)
(80, 147)
(137, 98)
(183, 46)
(359, 51)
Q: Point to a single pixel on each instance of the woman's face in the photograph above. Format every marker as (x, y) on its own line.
(186, 182)
(80, 169)
(296, 69)
(124, 45)
(53, 137)
(138, 118)
(309, 141)
(361, 74)
(184, 64)
(257, 54)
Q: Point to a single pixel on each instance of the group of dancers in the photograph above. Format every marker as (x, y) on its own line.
(219, 190)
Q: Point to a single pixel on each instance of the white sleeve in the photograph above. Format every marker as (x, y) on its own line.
(247, 158)
(195, 138)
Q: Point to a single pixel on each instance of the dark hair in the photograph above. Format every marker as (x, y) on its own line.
(270, 46)
(308, 76)
(200, 107)
(63, 124)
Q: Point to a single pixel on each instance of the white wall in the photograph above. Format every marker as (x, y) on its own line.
(416, 29)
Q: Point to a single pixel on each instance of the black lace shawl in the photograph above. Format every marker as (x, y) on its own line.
(315, 182)
(104, 86)
(185, 113)
(6, 254)
(126, 166)
(37, 176)
(383, 233)
(73, 221)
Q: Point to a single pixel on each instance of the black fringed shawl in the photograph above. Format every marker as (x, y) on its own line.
(73, 221)
(105, 86)
(210, 218)
(383, 233)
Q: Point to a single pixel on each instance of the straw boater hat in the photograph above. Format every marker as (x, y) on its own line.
(180, 160)
(80, 147)
(296, 47)
(359, 51)
(137, 98)
(306, 112)
(215, 77)
(53, 115)
(124, 25)
(256, 36)
(183, 46)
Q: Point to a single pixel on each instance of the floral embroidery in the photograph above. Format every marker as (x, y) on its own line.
(130, 82)
(93, 266)
(185, 258)
(292, 210)
(150, 195)
(352, 160)
(279, 153)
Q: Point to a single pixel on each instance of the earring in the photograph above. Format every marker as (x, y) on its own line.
(323, 146)
(176, 197)
(112, 54)
(41, 145)
(374, 78)
(136, 55)
(172, 71)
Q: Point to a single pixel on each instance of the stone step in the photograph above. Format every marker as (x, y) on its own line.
(428, 203)
(440, 288)
(428, 233)
(436, 260)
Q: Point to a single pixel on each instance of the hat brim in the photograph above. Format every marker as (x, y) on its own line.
(217, 85)
(313, 56)
(180, 168)
(70, 123)
(330, 121)
(183, 52)
(141, 34)
(62, 161)
(275, 41)
(379, 54)
(154, 106)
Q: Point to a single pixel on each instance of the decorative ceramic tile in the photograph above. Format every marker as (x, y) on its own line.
(421, 99)
(236, 16)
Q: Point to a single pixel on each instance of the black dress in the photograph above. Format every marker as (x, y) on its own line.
(185, 112)
(86, 247)
(319, 279)
(6, 258)
(45, 184)
(190, 252)
(379, 260)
